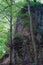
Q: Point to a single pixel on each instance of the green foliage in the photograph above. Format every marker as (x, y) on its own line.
(20, 3)
(34, 3)
(23, 15)
(3, 41)
(5, 24)
(4, 35)
(5, 19)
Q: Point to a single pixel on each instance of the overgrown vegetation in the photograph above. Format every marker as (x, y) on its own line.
(5, 20)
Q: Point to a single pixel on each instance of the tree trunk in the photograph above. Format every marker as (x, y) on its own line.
(31, 31)
(11, 33)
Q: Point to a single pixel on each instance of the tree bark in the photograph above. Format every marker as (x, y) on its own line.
(11, 33)
(31, 31)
